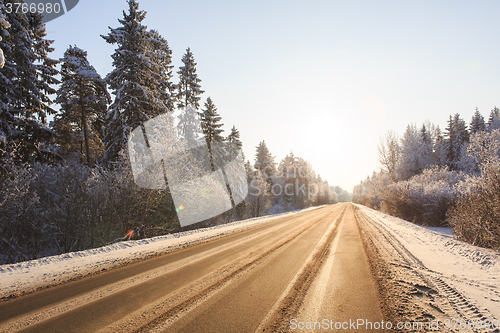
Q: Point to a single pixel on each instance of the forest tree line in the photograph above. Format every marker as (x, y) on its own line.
(442, 179)
(65, 176)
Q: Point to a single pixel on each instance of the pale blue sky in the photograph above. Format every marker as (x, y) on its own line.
(325, 79)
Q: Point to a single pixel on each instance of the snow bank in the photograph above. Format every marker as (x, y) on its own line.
(471, 270)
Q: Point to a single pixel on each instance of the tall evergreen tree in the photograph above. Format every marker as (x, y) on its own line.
(457, 135)
(477, 122)
(264, 162)
(188, 126)
(44, 65)
(83, 97)
(211, 127)
(161, 63)
(188, 89)
(234, 140)
(494, 119)
(26, 84)
(139, 80)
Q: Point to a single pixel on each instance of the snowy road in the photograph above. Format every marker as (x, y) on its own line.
(318, 268)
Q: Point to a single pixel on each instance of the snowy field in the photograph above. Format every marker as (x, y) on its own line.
(472, 271)
(27, 276)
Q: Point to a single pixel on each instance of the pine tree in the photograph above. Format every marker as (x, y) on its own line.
(45, 66)
(188, 89)
(83, 97)
(426, 148)
(494, 119)
(235, 145)
(161, 62)
(264, 162)
(211, 126)
(457, 135)
(139, 80)
(477, 122)
(26, 80)
(188, 127)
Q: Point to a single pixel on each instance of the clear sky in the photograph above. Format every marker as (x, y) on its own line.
(324, 79)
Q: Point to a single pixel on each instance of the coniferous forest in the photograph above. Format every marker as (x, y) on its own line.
(65, 177)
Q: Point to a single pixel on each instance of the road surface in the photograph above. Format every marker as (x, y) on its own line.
(299, 270)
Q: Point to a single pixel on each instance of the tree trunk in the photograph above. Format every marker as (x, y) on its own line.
(85, 126)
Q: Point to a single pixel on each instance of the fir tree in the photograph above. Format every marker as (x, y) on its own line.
(235, 145)
(234, 137)
(83, 97)
(456, 136)
(477, 122)
(211, 127)
(249, 171)
(188, 89)
(188, 127)
(494, 119)
(264, 162)
(139, 80)
(44, 65)
(161, 56)
(26, 80)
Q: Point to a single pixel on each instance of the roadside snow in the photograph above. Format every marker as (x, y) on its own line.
(471, 270)
(27, 276)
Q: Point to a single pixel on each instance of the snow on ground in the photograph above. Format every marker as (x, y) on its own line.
(27, 276)
(471, 270)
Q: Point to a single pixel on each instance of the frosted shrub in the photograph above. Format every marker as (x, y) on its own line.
(475, 218)
(369, 192)
(423, 199)
(52, 209)
(20, 228)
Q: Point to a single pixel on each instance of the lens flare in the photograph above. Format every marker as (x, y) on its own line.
(178, 209)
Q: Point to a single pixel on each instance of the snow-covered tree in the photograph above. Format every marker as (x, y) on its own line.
(139, 80)
(410, 162)
(477, 123)
(264, 162)
(211, 126)
(44, 65)
(494, 119)
(483, 149)
(249, 170)
(389, 151)
(188, 88)
(26, 82)
(456, 137)
(234, 141)
(188, 126)
(160, 57)
(83, 97)
(258, 193)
